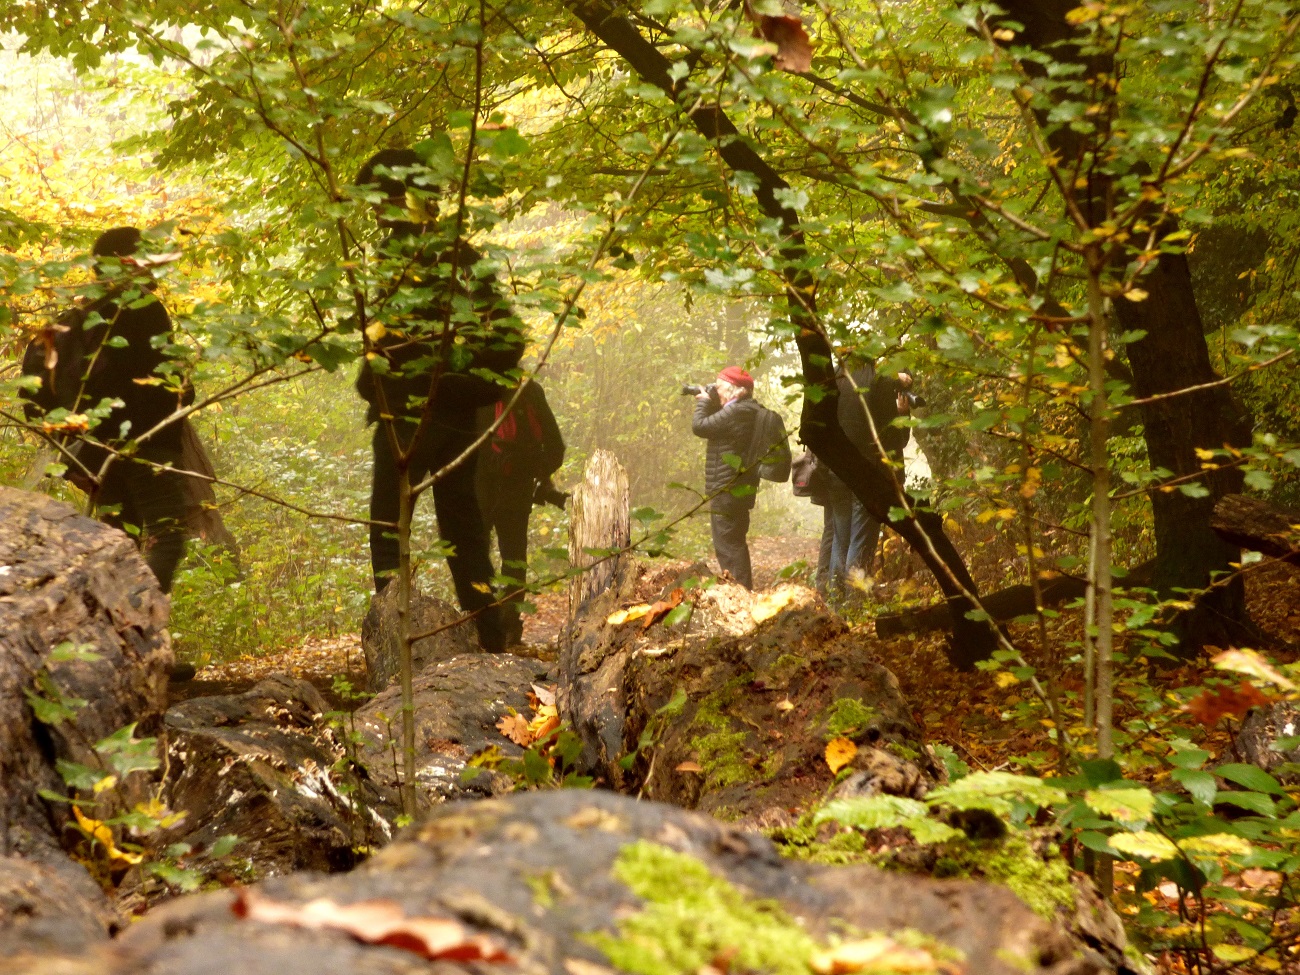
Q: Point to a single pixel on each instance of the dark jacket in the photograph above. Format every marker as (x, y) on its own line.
(729, 430)
(881, 396)
(93, 365)
(487, 336)
(528, 445)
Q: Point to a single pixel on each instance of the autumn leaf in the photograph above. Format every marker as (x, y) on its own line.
(1251, 664)
(689, 767)
(545, 694)
(879, 954)
(621, 616)
(839, 752)
(515, 727)
(101, 834)
(546, 720)
(769, 604)
(662, 608)
(1210, 706)
(793, 48)
(375, 922)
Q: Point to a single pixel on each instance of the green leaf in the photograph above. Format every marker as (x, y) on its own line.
(1250, 776)
(1252, 801)
(1126, 805)
(1201, 785)
(679, 614)
(222, 847)
(1145, 844)
(872, 812)
(995, 791)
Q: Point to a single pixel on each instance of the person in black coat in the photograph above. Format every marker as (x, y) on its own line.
(518, 459)
(725, 415)
(854, 532)
(115, 348)
(441, 327)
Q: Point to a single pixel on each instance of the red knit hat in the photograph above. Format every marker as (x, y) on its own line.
(737, 377)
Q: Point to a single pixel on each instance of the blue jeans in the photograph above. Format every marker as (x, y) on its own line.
(854, 536)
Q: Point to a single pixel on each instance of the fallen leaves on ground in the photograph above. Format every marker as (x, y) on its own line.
(515, 727)
(375, 922)
(839, 752)
(662, 608)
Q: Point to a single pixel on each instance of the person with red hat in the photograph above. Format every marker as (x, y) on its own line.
(725, 414)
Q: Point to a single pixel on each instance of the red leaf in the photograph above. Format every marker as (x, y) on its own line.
(375, 922)
(1210, 706)
(662, 608)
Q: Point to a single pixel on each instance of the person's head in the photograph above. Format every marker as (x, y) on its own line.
(112, 247)
(393, 172)
(734, 383)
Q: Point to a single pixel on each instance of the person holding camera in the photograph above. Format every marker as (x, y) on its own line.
(725, 415)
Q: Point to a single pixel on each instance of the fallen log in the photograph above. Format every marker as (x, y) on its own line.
(1003, 605)
(1258, 526)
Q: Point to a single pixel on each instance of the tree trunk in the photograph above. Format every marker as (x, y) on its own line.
(600, 521)
(1171, 356)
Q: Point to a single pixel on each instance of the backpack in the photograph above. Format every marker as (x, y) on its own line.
(768, 446)
(516, 445)
(809, 477)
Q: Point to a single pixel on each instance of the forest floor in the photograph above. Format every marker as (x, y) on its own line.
(989, 719)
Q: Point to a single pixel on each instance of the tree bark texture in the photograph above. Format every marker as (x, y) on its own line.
(68, 578)
(65, 578)
(600, 518)
(1260, 527)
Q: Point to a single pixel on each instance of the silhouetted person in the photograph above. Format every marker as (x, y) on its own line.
(725, 414)
(514, 466)
(112, 348)
(445, 323)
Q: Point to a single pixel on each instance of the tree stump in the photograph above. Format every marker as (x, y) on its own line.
(600, 519)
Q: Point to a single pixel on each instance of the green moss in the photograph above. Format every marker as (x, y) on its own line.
(721, 751)
(1044, 885)
(772, 765)
(846, 717)
(801, 842)
(690, 916)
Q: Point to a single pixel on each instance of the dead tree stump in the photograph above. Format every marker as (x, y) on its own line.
(600, 519)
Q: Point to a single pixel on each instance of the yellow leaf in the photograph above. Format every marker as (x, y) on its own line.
(107, 782)
(1006, 679)
(1251, 664)
(769, 604)
(1136, 294)
(100, 833)
(621, 616)
(879, 953)
(376, 331)
(839, 752)
(617, 618)
(785, 705)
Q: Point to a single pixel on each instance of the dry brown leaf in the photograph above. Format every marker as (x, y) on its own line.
(839, 752)
(877, 954)
(793, 48)
(689, 767)
(545, 694)
(375, 922)
(515, 727)
(662, 608)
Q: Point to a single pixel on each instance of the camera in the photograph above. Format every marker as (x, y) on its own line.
(691, 390)
(914, 400)
(548, 493)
